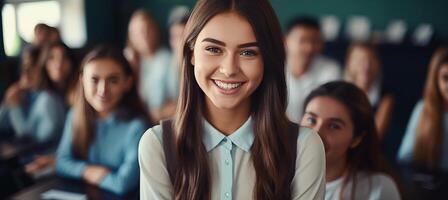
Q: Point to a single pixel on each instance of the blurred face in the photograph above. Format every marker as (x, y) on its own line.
(104, 84)
(29, 76)
(362, 66)
(176, 34)
(303, 43)
(228, 65)
(332, 121)
(142, 34)
(58, 66)
(442, 80)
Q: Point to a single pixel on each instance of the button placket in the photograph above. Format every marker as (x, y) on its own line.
(227, 168)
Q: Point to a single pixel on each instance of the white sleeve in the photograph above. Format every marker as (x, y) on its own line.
(387, 189)
(154, 179)
(309, 179)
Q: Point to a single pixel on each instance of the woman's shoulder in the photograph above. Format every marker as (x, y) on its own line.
(152, 134)
(308, 137)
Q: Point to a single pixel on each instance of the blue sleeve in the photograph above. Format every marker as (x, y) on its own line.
(44, 122)
(5, 124)
(125, 178)
(66, 164)
(18, 121)
(406, 150)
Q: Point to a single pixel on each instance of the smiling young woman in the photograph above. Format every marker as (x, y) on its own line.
(231, 138)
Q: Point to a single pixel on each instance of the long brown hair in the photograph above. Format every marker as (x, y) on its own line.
(70, 82)
(366, 156)
(270, 153)
(429, 130)
(128, 108)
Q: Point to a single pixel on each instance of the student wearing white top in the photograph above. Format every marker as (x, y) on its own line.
(231, 137)
(341, 113)
(306, 69)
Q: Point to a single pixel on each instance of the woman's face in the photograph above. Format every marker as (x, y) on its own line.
(332, 121)
(143, 34)
(442, 80)
(228, 65)
(176, 35)
(104, 85)
(362, 66)
(58, 65)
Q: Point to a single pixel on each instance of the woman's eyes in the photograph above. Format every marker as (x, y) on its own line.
(335, 126)
(310, 121)
(245, 52)
(213, 50)
(248, 53)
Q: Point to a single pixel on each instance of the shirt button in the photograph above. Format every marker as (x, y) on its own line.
(227, 194)
(224, 140)
(226, 162)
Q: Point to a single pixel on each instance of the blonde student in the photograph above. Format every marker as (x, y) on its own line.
(230, 138)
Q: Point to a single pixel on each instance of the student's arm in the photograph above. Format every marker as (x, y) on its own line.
(309, 179)
(126, 177)
(66, 164)
(407, 145)
(48, 117)
(383, 115)
(154, 179)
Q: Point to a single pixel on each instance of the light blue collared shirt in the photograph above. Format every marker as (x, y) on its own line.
(231, 168)
(41, 118)
(406, 151)
(115, 147)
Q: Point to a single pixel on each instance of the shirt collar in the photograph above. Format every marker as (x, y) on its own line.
(243, 137)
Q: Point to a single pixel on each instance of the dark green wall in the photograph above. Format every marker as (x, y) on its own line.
(107, 19)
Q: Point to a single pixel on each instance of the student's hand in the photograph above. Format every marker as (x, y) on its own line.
(94, 174)
(39, 164)
(13, 95)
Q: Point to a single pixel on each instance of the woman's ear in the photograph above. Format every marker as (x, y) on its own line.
(192, 58)
(356, 141)
(128, 83)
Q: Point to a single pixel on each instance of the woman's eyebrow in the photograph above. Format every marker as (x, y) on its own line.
(214, 41)
(221, 43)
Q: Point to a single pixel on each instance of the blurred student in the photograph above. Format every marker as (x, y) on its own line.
(177, 20)
(151, 62)
(231, 138)
(306, 68)
(29, 111)
(363, 68)
(101, 134)
(42, 35)
(58, 76)
(355, 169)
(425, 143)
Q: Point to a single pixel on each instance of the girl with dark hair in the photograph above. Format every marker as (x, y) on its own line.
(101, 134)
(425, 142)
(29, 111)
(230, 138)
(341, 113)
(59, 71)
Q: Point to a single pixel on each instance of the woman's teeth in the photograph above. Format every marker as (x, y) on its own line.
(227, 86)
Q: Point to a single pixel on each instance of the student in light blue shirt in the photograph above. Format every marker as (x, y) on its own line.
(153, 63)
(100, 140)
(230, 137)
(29, 110)
(425, 142)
